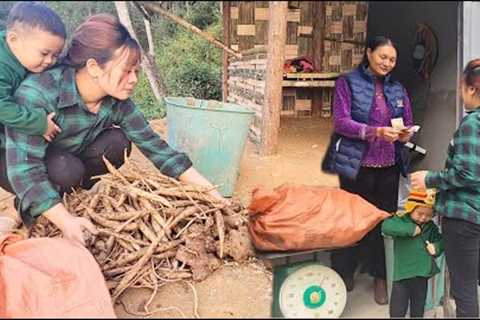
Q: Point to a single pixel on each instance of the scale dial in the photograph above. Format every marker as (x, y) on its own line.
(313, 291)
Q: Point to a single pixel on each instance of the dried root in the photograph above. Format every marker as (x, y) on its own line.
(154, 229)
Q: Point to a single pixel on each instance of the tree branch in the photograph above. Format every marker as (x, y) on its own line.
(142, 10)
(148, 29)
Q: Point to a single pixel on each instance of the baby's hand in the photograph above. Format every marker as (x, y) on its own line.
(430, 248)
(417, 231)
(52, 128)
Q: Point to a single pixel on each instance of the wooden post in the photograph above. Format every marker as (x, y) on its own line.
(226, 41)
(318, 43)
(277, 36)
(318, 33)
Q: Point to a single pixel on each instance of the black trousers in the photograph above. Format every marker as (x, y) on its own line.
(68, 171)
(411, 291)
(379, 186)
(462, 243)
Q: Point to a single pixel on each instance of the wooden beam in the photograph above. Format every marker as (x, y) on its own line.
(226, 40)
(277, 36)
(345, 40)
(258, 49)
(155, 7)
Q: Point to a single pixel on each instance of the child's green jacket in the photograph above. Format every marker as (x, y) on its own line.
(411, 256)
(12, 113)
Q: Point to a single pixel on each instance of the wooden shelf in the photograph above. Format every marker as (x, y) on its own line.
(311, 75)
(309, 83)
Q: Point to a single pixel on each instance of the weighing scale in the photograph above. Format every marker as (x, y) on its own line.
(303, 287)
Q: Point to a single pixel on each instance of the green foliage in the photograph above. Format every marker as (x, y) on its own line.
(194, 78)
(73, 13)
(188, 64)
(203, 13)
(145, 100)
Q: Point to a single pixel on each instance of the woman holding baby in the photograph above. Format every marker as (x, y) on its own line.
(89, 92)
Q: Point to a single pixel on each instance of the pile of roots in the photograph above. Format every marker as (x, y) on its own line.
(153, 228)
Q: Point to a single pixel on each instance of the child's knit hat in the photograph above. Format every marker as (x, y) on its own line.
(420, 198)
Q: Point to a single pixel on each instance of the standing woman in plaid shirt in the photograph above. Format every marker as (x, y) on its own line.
(89, 94)
(458, 197)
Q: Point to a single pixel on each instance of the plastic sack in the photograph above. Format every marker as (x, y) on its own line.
(50, 277)
(299, 217)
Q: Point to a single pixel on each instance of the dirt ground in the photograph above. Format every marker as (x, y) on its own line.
(245, 290)
(302, 144)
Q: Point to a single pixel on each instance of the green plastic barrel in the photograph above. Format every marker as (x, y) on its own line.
(213, 134)
(433, 297)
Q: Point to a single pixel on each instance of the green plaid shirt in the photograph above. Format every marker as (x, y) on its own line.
(55, 91)
(458, 185)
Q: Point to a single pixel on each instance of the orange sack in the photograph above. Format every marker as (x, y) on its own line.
(299, 217)
(50, 277)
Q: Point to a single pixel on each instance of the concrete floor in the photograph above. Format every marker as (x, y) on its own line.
(360, 301)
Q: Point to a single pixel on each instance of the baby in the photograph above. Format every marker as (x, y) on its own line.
(417, 242)
(34, 37)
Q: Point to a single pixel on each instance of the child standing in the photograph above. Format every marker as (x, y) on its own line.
(34, 37)
(417, 242)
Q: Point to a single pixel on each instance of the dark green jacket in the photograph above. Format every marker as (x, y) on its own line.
(13, 115)
(411, 256)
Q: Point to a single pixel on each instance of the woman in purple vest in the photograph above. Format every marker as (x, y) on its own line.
(367, 154)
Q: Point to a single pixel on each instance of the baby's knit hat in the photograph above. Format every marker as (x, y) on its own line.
(420, 198)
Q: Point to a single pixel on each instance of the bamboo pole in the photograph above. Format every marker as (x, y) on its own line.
(225, 5)
(158, 9)
(277, 36)
(148, 63)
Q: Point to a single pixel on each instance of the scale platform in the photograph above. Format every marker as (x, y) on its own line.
(303, 286)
